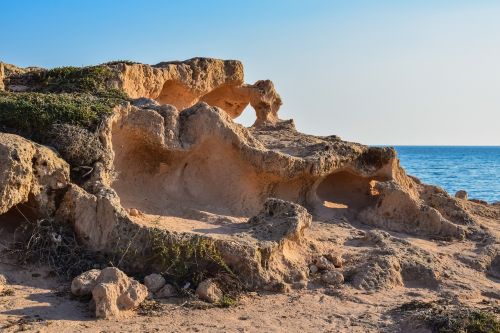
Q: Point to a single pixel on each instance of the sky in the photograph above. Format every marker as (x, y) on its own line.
(421, 72)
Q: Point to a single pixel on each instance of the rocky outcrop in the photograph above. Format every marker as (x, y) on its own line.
(216, 82)
(394, 262)
(176, 172)
(30, 172)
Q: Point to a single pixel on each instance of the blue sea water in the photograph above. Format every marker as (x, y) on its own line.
(474, 169)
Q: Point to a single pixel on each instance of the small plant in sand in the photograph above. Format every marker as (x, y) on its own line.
(49, 243)
(187, 258)
(444, 317)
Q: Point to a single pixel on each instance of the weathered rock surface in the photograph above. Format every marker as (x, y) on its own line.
(115, 292)
(154, 282)
(461, 195)
(29, 172)
(83, 284)
(333, 277)
(176, 168)
(208, 291)
(216, 82)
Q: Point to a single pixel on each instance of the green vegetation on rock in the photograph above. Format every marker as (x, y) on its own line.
(182, 257)
(32, 114)
(95, 80)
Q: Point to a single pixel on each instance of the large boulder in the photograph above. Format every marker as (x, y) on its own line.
(29, 171)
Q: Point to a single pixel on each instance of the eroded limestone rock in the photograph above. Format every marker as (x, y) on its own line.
(29, 172)
(216, 82)
(115, 292)
(176, 167)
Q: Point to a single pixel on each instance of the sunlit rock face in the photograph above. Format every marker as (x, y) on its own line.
(177, 166)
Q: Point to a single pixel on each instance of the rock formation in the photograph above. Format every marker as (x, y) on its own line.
(112, 291)
(176, 171)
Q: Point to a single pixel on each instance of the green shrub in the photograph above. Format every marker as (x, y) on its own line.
(33, 114)
(186, 257)
(78, 146)
(95, 80)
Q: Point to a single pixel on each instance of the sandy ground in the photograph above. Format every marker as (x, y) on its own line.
(41, 302)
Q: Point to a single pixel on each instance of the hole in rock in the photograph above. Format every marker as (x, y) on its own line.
(345, 190)
(176, 94)
(247, 118)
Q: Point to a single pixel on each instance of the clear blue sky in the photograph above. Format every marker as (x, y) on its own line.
(377, 72)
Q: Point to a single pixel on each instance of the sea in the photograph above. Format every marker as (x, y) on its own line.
(475, 169)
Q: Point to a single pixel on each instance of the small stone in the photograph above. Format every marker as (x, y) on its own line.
(209, 291)
(323, 264)
(313, 269)
(154, 282)
(461, 195)
(335, 259)
(167, 291)
(134, 212)
(332, 278)
(83, 284)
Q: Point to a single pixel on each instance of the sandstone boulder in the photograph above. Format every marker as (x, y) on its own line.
(166, 291)
(334, 278)
(335, 259)
(32, 172)
(208, 291)
(115, 293)
(185, 83)
(154, 282)
(324, 264)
